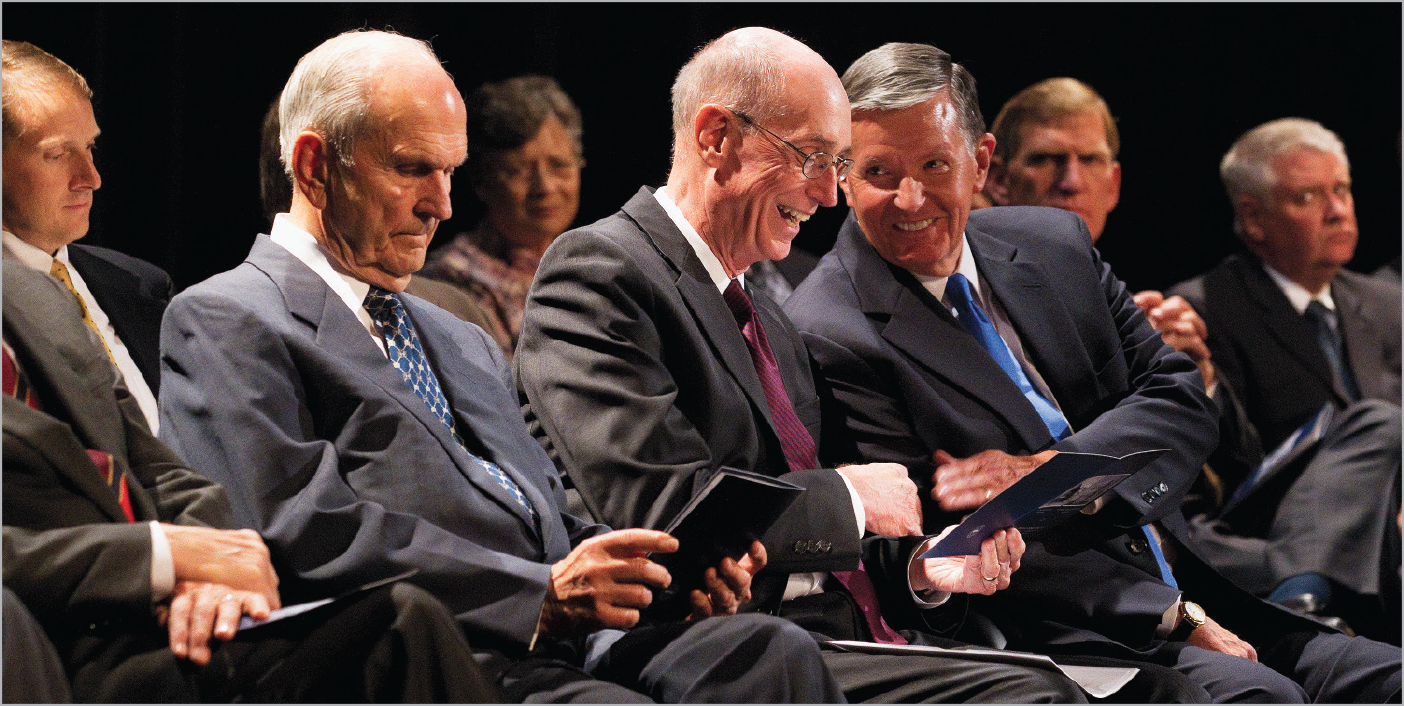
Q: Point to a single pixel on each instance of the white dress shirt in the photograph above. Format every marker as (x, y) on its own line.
(303, 246)
(1298, 295)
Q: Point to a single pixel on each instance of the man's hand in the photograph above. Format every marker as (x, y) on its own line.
(200, 611)
(966, 483)
(1181, 328)
(999, 558)
(728, 584)
(234, 558)
(889, 498)
(1213, 636)
(604, 582)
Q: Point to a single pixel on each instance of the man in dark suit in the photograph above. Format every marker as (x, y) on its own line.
(367, 433)
(645, 366)
(49, 180)
(1292, 332)
(115, 546)
(975, 346)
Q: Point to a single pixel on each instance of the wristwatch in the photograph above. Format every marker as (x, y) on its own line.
(1191, 616)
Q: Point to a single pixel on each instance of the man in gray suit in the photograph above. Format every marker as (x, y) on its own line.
(366, 432)
(1291, 332)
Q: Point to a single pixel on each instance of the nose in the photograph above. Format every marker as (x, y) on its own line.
(1071, 178)
(434, 202)
(824, 188)
(1338, 206)
(910, 195)
(85, 173)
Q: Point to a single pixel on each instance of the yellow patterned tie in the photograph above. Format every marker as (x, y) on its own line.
(60, 271)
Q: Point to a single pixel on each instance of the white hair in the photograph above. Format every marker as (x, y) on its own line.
(329, 91)
(735, 71)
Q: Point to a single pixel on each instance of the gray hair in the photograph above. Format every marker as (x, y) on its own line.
(33, 75)
(743, 76)
(1246, 169)
(900, 75)
(329, 90)
(505, 115)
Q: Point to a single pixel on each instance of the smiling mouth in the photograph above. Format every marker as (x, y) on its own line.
(911, 226)
(792, 216)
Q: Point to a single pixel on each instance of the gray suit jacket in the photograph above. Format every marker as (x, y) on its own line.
(69, 551)
(1268, 353)
(272, 385)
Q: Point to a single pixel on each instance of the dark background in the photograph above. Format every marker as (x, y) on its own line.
(181, 90)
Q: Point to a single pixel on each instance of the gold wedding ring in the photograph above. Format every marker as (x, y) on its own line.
(993, 579)
(988, 493)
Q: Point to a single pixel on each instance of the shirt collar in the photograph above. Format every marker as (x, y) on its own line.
(1298, 295)
(709, 259)
(30, 256)
(304, 247)
(937, 285)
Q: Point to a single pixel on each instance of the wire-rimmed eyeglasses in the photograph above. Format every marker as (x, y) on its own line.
(815, 163)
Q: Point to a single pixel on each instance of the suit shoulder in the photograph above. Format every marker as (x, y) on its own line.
(1035, 226)
(826, 298)
(135, 265)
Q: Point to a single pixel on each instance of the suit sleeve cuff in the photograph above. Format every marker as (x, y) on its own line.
(858, 511)
(928, 598)
(162, 564)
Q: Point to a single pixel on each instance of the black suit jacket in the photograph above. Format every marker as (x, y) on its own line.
(1267, 352)
(910, 380)
(634, 373)
(134, 294)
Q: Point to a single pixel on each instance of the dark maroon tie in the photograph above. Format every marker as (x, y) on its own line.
(794, 438)
(799, 445)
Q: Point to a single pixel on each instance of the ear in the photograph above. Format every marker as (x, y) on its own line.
(1115, 186)
(1250, 215)
(711, 134)
(846, 184)
(984, 152)
(311, 165)
(997, 184)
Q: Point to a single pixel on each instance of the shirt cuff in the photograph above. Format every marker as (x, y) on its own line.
(858, 512)
(162, 564)
(928, 598)
(1170, 619)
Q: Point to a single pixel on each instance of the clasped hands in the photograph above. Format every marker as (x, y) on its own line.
(221, 576)
(607, 581)
(892, 509)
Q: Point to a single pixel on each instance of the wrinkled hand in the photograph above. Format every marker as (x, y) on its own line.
(966, 483)
(605, 582)
(728, 584)
(200, 611)
(889, 498)
(1181, 328)
(234, 558)
(1213, 636)
(998, 559)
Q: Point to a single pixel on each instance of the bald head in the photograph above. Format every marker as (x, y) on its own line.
(746, 70)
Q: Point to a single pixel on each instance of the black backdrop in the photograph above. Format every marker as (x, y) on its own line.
(182, 88)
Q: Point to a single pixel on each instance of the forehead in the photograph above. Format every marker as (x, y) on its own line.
(420, 113)
(816, 108)
(931, 126)
(550, 140)
(1307, 167)
(60, 116)
(1081, 132)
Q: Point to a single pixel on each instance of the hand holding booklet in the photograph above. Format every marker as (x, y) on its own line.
(732, 510)
(1045, 498)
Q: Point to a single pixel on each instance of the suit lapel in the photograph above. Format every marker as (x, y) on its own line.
(135, 316)
(702, 298)
(1362, 339)
(339, 332)
(922, 328)
(1286, 326)
(74, 382)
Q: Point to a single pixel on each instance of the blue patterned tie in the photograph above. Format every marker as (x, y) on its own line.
(402, 346)
(1328, 338)
(974, 321)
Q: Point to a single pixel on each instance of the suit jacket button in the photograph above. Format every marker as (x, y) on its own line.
(1137, 545)
(825, 546)
(799, 546)
(1163, 488)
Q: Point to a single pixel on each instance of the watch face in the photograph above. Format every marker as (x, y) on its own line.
(1194, 613)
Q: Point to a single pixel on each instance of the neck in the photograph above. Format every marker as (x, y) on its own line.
(690, 198)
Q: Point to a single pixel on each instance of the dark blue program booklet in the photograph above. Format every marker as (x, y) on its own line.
(1045, 498)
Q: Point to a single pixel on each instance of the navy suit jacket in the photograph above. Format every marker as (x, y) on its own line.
(273, 387)
(134, 294)
(910, 380)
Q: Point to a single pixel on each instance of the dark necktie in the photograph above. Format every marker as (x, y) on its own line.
(1328, 338)
(974, 321)
(16, 384)
(799, 445)
(405, 353)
